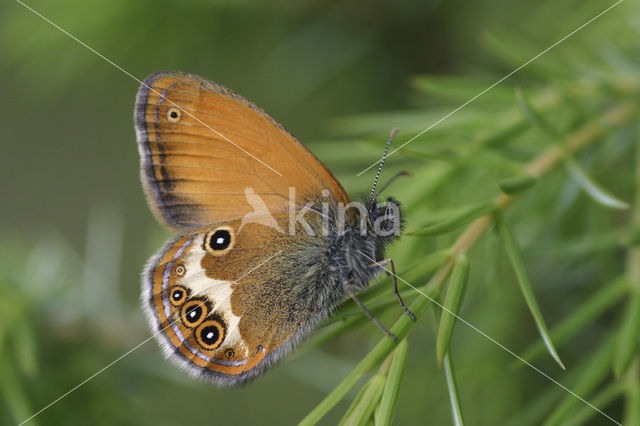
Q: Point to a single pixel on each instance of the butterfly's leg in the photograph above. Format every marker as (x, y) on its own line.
(369, 314)
(395, 285)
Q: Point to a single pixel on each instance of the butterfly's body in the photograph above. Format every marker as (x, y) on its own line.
(233, 293)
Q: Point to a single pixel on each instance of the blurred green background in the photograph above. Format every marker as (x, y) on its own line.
(75, 230)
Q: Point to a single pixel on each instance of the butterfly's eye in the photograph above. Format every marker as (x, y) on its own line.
(219, 242)
(193, 312)
(177, 295)
(173, 115)
(210, 333)
(180, 270)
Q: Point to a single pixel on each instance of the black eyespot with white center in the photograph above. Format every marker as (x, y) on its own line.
(193, 312)
(177, 295)
(219, 241)
(210, 334)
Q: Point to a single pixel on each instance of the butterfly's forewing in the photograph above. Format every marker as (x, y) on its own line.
(226, 314)
(201, 145)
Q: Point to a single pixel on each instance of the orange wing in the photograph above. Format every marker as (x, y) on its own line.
(202, 146)
(248, 297)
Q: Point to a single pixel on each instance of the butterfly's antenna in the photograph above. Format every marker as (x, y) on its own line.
(390, 181)
(384, 156)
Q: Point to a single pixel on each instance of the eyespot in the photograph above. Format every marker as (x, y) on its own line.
(210, 333)
(219, 241)
(194, 312)
(229, 353)
(181, 270)
(177, 295)
(173, 115)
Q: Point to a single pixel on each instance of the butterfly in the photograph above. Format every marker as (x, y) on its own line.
(267, 241)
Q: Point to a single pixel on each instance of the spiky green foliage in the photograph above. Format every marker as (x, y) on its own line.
(542, 161)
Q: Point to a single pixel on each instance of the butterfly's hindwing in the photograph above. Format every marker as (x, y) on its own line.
(228, 317)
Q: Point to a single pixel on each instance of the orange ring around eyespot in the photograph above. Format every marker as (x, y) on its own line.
(210, 326)
(219, 252)
(173, 115)
(180, 269)
(181, 300)
(191, 308)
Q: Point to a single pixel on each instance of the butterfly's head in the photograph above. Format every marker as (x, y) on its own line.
(385, 219)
